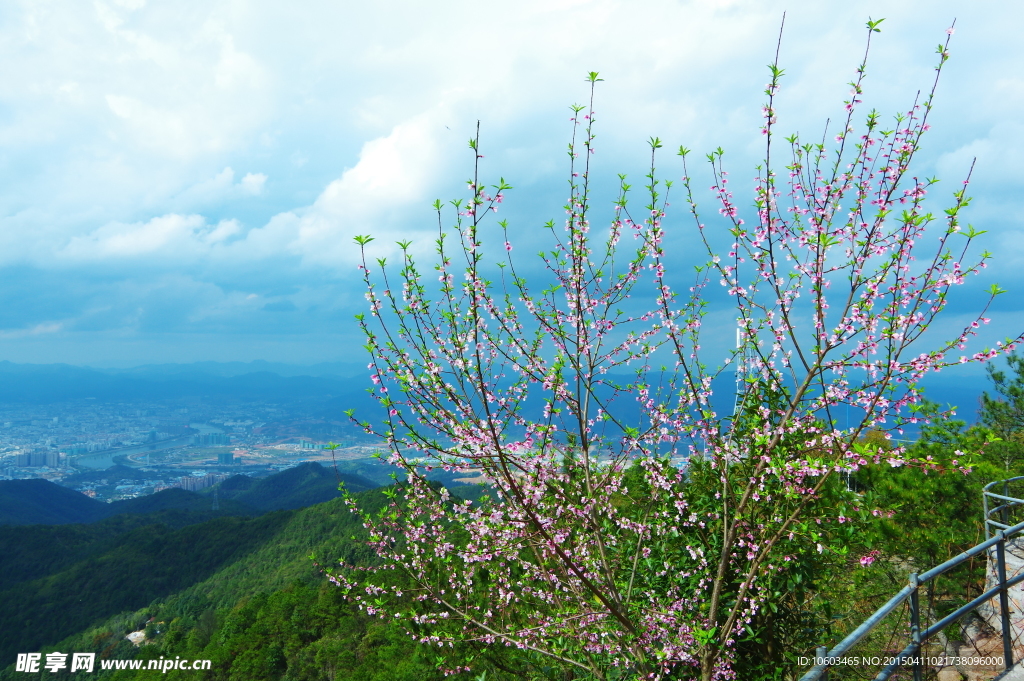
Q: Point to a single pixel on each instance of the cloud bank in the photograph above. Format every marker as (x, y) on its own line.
(179, 174)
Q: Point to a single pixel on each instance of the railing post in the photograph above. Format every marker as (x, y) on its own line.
(1005, 515)
(984, 506)
(1004, 599)
(820, 654)
(915, 624)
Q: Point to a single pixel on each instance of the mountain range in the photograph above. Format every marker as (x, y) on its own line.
(41, 502)
(67, 560)
(242, 586)
(244, 592)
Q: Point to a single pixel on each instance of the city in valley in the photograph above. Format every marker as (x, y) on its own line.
(113, 451)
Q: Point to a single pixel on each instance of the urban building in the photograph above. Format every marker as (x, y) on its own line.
(194, 484)
(38, 458)
(211, 439)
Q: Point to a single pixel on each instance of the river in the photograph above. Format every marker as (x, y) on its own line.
(105, 459)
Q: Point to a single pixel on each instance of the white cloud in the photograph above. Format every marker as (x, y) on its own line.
(219, 188)
(997, 157)
(36, 330)
(381, 195)
(253, 183)
(168, 236)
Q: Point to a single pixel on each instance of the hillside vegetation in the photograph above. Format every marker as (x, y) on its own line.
(241, 591)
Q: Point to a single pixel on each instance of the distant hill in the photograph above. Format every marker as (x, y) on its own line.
(41, 502)
(304, 485)
(173, 499)
(371, 469)
(29, 552)
(66, 559)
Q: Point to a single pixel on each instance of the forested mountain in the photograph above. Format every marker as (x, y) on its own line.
(67, 560)
(196, 571)
(298, 487)
(243, 592)
(115, 572)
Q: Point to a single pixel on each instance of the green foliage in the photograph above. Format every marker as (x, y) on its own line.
(936, 510)
(33, 551)
(302, 632)
(934, 513)
(1004, 413)
(147, 562)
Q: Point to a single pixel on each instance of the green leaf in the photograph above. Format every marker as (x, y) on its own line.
(705, 636)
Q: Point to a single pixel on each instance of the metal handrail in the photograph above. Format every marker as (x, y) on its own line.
(1002, 509)
(995, 538)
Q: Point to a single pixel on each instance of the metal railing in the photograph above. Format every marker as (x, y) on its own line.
(1003, 509)
(997, 533)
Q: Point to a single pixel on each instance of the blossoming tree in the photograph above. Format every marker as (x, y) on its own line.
(635, 528)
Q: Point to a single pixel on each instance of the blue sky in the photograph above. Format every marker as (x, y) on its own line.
(182, 181)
